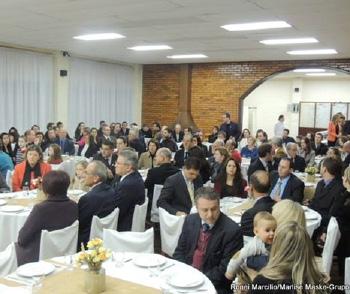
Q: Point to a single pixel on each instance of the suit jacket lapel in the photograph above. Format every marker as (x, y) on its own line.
(214, 239)
(187, 196)
(197, 227)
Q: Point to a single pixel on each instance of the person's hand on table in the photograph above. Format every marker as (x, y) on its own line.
(179, 213)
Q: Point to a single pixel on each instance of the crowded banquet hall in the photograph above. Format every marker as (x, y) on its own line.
(175, 146)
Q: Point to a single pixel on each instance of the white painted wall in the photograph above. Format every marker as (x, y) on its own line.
(272, 97)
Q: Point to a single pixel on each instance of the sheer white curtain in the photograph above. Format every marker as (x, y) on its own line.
(26, 89)
(100, 91)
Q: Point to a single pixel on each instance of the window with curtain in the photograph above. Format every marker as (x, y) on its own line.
(100, 91)
(26, 89)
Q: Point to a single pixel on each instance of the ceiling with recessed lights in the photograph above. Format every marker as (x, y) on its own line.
(187, 26)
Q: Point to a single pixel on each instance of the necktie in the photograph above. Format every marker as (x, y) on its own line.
(205, 227)
(277, 190)
(191, 192)
(186, 155)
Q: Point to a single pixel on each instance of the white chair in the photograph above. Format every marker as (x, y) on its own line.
(154, 210)
(68, 166)
(8, 260)
(59, 242)
(332, 240)
(347, 274)
(129, 241)
(139, 217)
(170, 230)
(8, 179)
(108, 222)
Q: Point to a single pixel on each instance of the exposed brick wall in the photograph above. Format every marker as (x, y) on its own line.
(216, 87)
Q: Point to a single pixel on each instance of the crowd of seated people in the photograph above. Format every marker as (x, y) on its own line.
(182, 161)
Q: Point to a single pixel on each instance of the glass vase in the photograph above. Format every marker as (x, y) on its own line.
(95, 281)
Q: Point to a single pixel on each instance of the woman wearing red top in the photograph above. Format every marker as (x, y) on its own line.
(333, 130)
(29, 172)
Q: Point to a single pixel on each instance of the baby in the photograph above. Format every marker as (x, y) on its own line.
(255, 253)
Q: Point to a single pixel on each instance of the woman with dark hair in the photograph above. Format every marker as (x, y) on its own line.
(88, 148)
(55, 157)
(307, 152)
(243, 139)
(54, 213)
(221, 156)
(196, 141)
(78, 133)
(148, 159)
(117, 132)
(94, 134)
(29, 173)
(13, 131)
(230, 181)
(6, 146)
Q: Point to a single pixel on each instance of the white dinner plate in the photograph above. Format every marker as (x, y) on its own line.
(186, 279)
(12, 208)
(307, 184)
(2, 202)
(35, 269)
(149, 260)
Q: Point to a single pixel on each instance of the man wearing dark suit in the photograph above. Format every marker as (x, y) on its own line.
(177, 195)
(108, 158)
(100, 130)
(327, 189)
(263, 162)
(135, 142)
(130, 190)
(285, 185)
(286, 139)
(67, 146)
(125, 130)
(182, 154)
(259, 185)
(167, 141)
(319, 147)
(106, 136)
(298, 161)
(98, 201)
(230, 128)
(158, 175)
(178, 134)
(209, 239)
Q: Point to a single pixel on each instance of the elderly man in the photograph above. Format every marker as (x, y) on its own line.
(100, 200)
(259, 186)
(67, 146)
(106, 136)
(178, 134)
(285, 185)
(278, 151)
(183, 153)
(263, 162)
(129, 190)
(135, 142)
(298, 161)
(209, 239)
(177, 195)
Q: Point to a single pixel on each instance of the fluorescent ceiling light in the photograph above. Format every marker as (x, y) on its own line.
(321, 74)
(312, 51)
(289, 41)
(95, 37)
(150, 47)
(309, 70)
(252, 26)
(182, 56)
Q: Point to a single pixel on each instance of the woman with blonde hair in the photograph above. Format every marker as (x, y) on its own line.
(288, 210)
(78, 182)
(291, 264)
(333, 130)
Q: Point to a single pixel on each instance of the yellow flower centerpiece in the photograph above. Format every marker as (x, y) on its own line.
(310, 173)
(95, 279)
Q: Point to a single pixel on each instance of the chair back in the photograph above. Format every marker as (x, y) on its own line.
(332, 240)
(170, 230)
(59, 242)
(108, 222)
(8, 179)
(154, 210)
(139, 217)
(139, 242)
(8, 260)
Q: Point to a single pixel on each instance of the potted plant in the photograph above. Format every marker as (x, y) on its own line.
(95, 277)
(310, 173)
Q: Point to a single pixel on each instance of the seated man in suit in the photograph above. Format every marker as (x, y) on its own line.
(286, 139)
(259, 186)
(178, 134)
(327, 189)
(264, 160)
(177, 195)
(98, 201)
(158, 175)
(167, 141)
(285, 185)
(129, 190)
(298, 161)
(67, 145)
(135, 142)
(319, 147)
(182, 154)
(107, 157)
(209, 239)
(106, 135)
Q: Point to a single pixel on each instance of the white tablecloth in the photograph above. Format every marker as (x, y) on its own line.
(347, 274)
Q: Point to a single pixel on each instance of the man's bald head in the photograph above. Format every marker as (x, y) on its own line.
(260, 182)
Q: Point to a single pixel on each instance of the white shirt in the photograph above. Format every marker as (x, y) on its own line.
(279, 127)
(123, 177)
(83, 151)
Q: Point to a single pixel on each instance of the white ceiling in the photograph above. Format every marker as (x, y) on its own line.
(189, 26)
